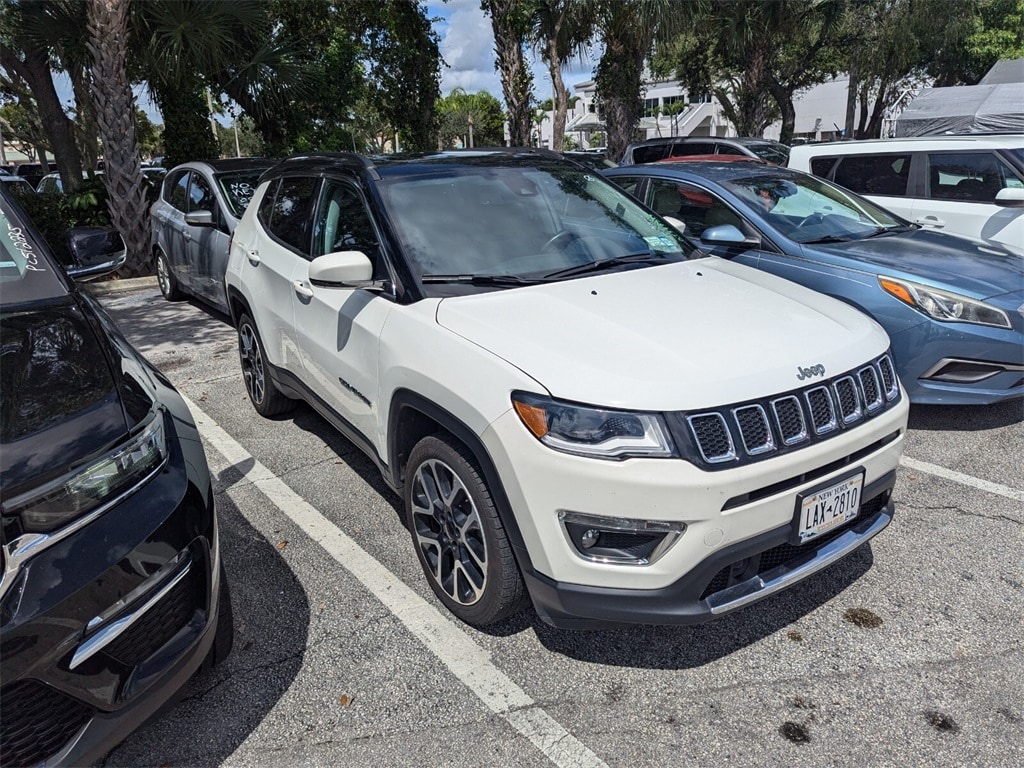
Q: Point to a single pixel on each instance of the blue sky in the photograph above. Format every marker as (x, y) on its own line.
(467, 47)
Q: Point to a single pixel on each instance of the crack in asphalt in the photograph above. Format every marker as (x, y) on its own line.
(960, 511)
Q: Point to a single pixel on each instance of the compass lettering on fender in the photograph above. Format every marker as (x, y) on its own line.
(812, 371)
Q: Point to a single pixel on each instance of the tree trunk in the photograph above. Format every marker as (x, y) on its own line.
(516, 81)
(115, 113)
(619, 83)
(784, 98)
(561, 95)
(34, 69)
(187, 134)
(851, 100)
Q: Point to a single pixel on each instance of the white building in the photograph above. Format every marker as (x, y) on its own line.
(671, 111)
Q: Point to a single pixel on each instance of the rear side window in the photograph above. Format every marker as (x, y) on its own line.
(693, 148)
(822, 166)
(875, 174)
(650, 154)
(177, 190)
(971, 176)
(292, 210)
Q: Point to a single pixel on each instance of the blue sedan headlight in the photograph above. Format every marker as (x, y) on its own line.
(944, 305)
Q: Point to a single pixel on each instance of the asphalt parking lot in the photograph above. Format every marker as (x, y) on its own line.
(908, 652)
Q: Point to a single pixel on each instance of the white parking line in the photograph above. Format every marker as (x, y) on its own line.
(959, 477)
(465, 659)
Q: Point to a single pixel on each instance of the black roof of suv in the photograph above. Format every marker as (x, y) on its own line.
(653, 150)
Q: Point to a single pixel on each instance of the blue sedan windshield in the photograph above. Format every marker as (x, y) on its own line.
(807, 209)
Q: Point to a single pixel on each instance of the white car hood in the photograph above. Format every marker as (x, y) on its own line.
(689, 335)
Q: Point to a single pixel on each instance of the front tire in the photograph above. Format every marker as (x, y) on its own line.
(165, 279)
(458, 535)
(266, 398)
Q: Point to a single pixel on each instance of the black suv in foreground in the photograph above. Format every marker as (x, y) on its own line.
(111, 589)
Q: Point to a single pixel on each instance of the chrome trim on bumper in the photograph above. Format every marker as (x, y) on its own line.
(115, 629)
(781, 577)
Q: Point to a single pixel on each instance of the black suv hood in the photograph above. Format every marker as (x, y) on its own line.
(61, 401)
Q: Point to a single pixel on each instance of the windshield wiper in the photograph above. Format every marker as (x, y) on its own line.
(879, 231)
(826, 239)
(482, 279)
(647, 257)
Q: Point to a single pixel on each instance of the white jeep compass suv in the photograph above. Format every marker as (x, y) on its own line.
(575, 406)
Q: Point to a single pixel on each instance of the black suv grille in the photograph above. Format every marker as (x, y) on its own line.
(37, 721)
(751, 431)
(158, 625)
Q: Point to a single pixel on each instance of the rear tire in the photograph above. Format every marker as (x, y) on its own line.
(165, 279)
(458, 535)
(266, 398)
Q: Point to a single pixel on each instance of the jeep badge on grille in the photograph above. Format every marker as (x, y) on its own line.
(807, 373)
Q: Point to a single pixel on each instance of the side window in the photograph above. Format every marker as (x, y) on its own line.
(177, 190)
(267, 203)
(695, 207)
(821, 166)
(693, 148)
(627, 184)
(292, 210)
(650, 154)
(200, 196)
(972, 176)
(344, 224)
(874, 174)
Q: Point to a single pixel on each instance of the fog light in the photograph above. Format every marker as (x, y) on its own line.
(619, 540)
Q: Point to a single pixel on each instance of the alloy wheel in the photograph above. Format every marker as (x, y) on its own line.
(448, 532)
(252, 363)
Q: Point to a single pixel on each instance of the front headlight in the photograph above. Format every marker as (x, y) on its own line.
(598, 433)
(78, 492)
(943, 305)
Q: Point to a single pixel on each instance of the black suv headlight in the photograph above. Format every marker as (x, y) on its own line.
(600, 433)
(94, 484)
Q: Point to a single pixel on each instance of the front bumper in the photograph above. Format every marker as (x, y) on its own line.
(103, 628)
(729, 515)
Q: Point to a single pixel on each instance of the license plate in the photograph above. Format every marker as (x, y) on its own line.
(822, 510)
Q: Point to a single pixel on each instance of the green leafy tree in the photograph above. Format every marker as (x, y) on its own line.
(457, 110)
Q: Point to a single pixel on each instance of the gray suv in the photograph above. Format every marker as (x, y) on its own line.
(653, 150)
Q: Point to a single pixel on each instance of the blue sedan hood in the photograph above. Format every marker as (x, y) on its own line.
(961, 264)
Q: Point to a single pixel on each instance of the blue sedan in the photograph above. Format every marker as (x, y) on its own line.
(953, 306)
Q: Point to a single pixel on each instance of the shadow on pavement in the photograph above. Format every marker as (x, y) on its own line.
(966, 418)
(221, 707)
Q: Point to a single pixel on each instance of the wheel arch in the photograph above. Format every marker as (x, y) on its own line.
(413, 417)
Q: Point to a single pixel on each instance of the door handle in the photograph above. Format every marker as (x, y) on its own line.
(302, 289)
(188, 236)
(930, 221)
(253, 255)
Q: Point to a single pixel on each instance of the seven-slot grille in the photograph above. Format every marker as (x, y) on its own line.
(752, 431)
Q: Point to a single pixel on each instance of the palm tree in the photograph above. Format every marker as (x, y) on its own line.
(115, 111)
(510, 21)
(561, 29)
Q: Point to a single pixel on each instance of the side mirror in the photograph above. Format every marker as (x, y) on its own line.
(723, 234)
(200, 219)
(1010, 197)
(342, 269)
(96, 251)
(677, 225)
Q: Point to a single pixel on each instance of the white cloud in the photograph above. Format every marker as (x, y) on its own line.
(467, 47)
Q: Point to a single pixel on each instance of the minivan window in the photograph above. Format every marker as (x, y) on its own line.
(651, 154)
(874, 174)
(971, 176)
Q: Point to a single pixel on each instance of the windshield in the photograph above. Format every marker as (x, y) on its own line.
(522, 222)
(238, 189)
(770, 151)
(807, 209)
(26, 274)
